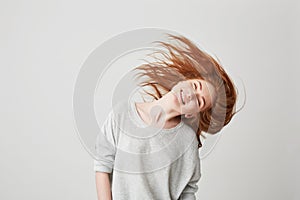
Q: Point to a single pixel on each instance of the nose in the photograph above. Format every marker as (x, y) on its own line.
(190, 95)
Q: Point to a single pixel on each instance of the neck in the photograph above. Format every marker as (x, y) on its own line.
(161, 110)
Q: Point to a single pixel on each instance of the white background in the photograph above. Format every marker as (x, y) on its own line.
(44, 43)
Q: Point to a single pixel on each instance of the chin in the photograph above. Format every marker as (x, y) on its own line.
(175, 97)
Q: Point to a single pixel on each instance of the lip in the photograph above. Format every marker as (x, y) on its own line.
(181, 96)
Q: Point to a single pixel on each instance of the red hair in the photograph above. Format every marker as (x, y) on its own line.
(187, 61)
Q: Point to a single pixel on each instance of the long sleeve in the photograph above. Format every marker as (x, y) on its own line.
(191, 188)
(105, 146)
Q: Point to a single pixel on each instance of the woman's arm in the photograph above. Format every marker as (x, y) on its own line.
(103, 186)
(189, 192)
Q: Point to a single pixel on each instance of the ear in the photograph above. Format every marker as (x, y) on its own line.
(188, 115)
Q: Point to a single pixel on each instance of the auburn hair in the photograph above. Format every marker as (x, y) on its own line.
(184, 60)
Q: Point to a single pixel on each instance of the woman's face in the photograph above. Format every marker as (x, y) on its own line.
(194, 96)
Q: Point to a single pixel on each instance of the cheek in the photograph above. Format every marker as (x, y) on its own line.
(192, 107)
(194, 104)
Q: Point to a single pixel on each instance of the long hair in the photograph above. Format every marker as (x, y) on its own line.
(186, 61)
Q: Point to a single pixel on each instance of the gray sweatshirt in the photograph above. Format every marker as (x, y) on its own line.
(147, 163)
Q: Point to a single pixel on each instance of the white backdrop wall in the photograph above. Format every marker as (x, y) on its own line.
(44, 43)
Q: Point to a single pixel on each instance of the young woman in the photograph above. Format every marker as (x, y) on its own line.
(154, 155)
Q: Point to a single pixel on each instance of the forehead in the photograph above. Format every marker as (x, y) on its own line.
(207, 86)
(208, 91)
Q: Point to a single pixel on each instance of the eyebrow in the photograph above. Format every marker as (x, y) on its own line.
(200, 85)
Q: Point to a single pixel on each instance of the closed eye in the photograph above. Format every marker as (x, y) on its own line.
(200, 85)
(195, 87)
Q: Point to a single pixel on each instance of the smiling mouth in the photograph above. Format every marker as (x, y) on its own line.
(181, 97)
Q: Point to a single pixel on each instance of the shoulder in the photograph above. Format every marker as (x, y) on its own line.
(187, 129)
(189, 132)
(119, 109)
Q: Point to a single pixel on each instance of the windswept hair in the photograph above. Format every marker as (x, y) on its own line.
(186, 61)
